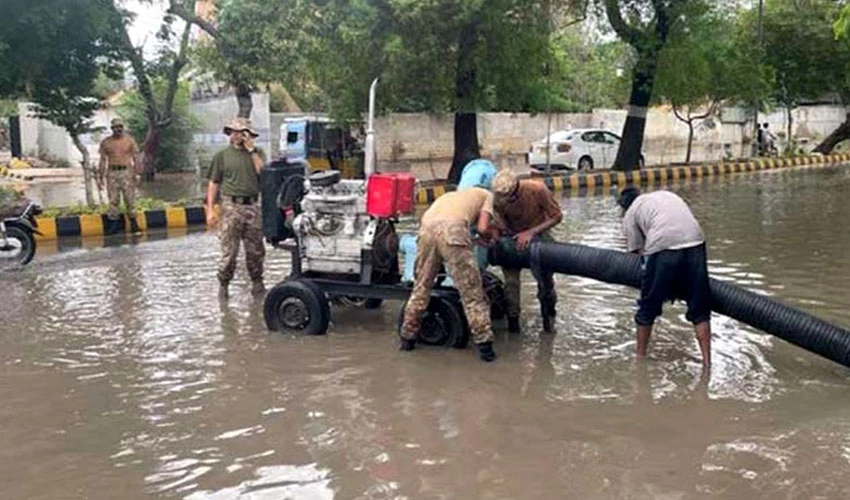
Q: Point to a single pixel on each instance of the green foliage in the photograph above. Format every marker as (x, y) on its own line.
(70, 43)
(586, 75)
(415, 49)
(801, 48)
(256, 41)
(709, 62)
(8, 107)
(175, 147)
(141, 205)
(9, 197)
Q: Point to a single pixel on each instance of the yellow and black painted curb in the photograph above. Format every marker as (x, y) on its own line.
(14, 174)
(53, 228)
(656, 175)
(96, 224)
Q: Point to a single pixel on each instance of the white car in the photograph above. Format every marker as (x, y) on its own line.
(576, 149)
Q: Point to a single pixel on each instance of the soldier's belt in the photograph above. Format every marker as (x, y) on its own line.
(243, 200)
(118, 167)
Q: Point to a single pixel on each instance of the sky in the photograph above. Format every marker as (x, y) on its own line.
(147, 22)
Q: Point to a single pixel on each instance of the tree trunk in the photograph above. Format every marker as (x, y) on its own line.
(466, 120)
(466, 143)
(789, 145)
(243, 97)
(690, 139)
(838, 135)
(87, 172)
(150, 148)
(628, 155)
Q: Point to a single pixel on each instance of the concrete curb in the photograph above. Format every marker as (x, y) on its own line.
(655, 175)
(183, 217)
(95, 224)
(13, 174)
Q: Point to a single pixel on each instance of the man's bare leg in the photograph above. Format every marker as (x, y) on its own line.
(643, 333)
(703, 332)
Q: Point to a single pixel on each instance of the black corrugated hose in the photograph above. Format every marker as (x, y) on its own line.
(611, 266)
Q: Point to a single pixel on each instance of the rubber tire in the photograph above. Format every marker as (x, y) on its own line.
(310, 295)
(590, 164)
(27, 240)
(373, 303)
(451, 314)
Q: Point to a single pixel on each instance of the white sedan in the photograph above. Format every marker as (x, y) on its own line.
(577, 149)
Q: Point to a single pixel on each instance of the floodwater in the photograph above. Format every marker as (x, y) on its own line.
(121, 376)
(171, 186)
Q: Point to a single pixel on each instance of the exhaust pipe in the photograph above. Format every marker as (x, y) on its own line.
(370, 153)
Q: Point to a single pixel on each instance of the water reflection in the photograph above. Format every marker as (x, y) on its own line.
(127, 378)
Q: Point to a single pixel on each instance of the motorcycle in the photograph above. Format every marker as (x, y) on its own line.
(17, 236)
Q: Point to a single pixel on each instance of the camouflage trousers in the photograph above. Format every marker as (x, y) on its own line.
(121, 182)
(545, 287)
(240, 223)
(449, 242)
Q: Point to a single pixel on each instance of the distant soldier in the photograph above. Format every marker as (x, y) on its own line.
(444, 236)
(120, 167)
(660, 227)
(235, 171)
(528, 210)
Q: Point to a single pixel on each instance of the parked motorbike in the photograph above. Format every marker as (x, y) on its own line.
(17, 237)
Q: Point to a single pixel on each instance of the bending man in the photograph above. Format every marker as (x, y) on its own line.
(660, 227)
(528, 210)
(444, 236)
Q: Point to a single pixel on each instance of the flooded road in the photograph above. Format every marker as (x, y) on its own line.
(122, 376)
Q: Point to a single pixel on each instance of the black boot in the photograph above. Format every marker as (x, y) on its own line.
(548, 324)
(406, 345)
(134, 226)
(113, 226)
(486, 352)
(513, 324)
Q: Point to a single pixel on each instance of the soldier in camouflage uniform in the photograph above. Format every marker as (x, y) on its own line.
(528, 211)
(120, 169)
(236, 170)
(444, 236)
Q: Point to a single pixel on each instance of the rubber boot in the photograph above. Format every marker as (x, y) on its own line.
(258, 288)
(223, 293)
(486, 352)
(406, 345)
(113, 226)
(513, 324)
(134, 226)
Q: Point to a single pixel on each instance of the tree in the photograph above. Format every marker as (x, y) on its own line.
(704, 66)
(77, 46)
(252, 42)
(459, 56)
(169, 66)
(800, 46)
(841, 28)
(175, 144)
(651, 22)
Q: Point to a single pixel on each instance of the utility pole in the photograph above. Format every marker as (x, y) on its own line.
(760, 42)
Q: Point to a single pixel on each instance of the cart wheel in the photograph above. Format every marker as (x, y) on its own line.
(297, 305)
(373, 303)
(494, 290)
(442, 324)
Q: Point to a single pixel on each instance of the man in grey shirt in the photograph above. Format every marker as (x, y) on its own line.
(660, 227)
